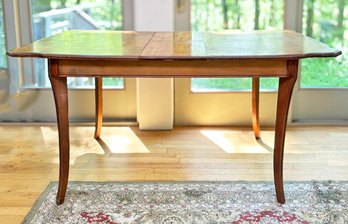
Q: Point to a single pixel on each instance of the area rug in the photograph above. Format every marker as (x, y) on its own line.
(193, 202)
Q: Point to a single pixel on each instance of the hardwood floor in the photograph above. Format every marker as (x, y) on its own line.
(29, 157)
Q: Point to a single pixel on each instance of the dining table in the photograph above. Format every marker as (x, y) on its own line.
(99, 54)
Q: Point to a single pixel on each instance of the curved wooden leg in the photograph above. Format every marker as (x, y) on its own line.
(286, 86)
(255, 107)
(98, 106)
(60, 92)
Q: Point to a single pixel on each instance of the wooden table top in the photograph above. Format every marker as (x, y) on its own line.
(78, 44)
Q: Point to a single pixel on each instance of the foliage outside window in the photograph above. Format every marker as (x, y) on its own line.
(3, 61)
(54, 16)
(326, 20)
(216, 15)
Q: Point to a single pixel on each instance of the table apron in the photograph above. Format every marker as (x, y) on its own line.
(172, 68)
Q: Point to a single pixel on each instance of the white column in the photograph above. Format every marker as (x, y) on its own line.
(293, 15)
(155, 97)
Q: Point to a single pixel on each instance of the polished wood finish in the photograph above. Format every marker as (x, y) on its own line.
(227, 44)
(28, 157)
(98, 106)
(87, 44)
(255, 107)
(60, 92)
(169, 54)
(175, 45)
(286, 86)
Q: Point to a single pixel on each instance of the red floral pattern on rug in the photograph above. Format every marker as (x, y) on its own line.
(97, 217)
(200, 202)
(270, 217)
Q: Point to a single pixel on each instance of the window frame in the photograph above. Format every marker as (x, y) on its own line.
(4, 43)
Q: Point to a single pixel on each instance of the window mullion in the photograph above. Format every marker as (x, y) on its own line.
(293, 15)
(26, 37)
(12, 36)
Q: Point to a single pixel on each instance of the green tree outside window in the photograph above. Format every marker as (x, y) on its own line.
(217, 15)
(326, 20)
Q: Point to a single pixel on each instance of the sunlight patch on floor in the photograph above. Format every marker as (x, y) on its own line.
(121, 140)
(113, 140)
(231, 142)
(49, 135)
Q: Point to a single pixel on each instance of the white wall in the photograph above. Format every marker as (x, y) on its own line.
(154, 15)
(155, 97)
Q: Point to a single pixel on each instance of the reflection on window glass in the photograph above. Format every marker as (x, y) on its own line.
(326, 21)
(55, 16)
(215, 15)
(3, 61)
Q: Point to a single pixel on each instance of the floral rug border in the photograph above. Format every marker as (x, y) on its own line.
(53, 184)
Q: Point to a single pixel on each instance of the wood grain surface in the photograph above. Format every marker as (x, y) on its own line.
(106, 45)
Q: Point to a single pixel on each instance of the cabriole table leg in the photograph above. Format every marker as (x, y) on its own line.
(60, 92)
(286, 86)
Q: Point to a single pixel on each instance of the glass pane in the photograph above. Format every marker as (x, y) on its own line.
(54, 16)
(215, 15)
(326, 21)
(3, 60)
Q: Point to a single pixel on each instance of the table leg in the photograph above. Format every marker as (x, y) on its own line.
(98, 106)
(286, 86)
(60, 92)
(255, 107)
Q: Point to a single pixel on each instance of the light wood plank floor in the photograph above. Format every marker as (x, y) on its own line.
(29, 157)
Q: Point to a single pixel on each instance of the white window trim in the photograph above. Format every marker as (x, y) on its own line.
(11, 19)
(293, 11)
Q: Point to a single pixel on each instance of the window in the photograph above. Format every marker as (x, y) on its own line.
(3, 61)
(327, 22)
(214, 15)
(54, 16)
